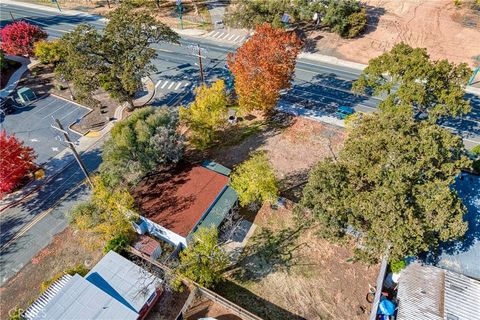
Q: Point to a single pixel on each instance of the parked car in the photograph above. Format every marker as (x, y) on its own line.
(343, 112)
(7, 105)
(218, 24)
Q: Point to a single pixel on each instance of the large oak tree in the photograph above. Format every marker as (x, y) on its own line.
(392, 184)
(117, 58)
(414, 83)
(263, 66)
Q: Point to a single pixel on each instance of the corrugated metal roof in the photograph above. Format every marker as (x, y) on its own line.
(123, 280)
(430, 293)
(79, 299)
(218, 211)
(462, 297)
(420, 292)
(46, 297)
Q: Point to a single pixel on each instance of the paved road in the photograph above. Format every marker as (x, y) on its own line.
(317, 86)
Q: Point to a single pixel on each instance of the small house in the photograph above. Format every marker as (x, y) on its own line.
(177, 201)
(115, 288)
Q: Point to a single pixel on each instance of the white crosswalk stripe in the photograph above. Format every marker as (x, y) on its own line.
(171, 85)
(231, 37)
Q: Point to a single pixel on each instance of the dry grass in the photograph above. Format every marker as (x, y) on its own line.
(318, 282)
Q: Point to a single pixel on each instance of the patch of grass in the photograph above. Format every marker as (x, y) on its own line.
(80, 269)
(236, 135)
(251, 302)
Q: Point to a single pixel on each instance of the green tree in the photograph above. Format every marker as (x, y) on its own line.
(414, 83)
(207, 114)
(254, 180)
(345, 17)
(49, 52)
(250, 13)
(106, 213)
(203, 261)
(138, 144)
(392, 184)
(115, 63)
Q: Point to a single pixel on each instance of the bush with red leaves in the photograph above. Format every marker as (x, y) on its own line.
(16, 161)
(19, 37)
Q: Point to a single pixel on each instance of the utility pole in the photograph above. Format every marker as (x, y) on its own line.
(200, 64)
(197, 51)
(72, 147)
(58, 5)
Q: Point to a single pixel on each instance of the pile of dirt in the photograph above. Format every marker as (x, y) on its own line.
(447, 31)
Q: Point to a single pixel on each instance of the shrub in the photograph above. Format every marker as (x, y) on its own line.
(18, 38)
(397, 266)
(254, 180)
(476, 151)
(345, 17)
(118, 244)
(78, 269)
(16, 162)
(49, 52)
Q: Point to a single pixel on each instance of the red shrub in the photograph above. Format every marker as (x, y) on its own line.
(16, 161)
(19, 37)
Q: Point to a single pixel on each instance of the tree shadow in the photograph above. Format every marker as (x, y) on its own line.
(373, 18)
(268, 251)
(50, 193)
(461, 255)
(253, 303)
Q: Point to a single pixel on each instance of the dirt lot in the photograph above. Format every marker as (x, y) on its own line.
(293, 145)
(292, 274)
(66, 250)
(447, 31)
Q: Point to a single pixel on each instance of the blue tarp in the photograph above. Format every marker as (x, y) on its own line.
(386, 307)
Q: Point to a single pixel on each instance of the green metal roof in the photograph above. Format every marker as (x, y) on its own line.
(218, 211)
(216, 167)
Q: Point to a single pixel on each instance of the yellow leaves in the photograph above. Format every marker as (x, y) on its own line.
(207, 113)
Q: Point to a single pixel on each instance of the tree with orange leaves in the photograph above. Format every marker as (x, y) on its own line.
(263, 66)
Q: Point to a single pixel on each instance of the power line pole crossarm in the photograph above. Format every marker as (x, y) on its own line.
(72, 147)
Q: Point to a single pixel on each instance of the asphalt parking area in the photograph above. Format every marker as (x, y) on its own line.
(32, 124)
